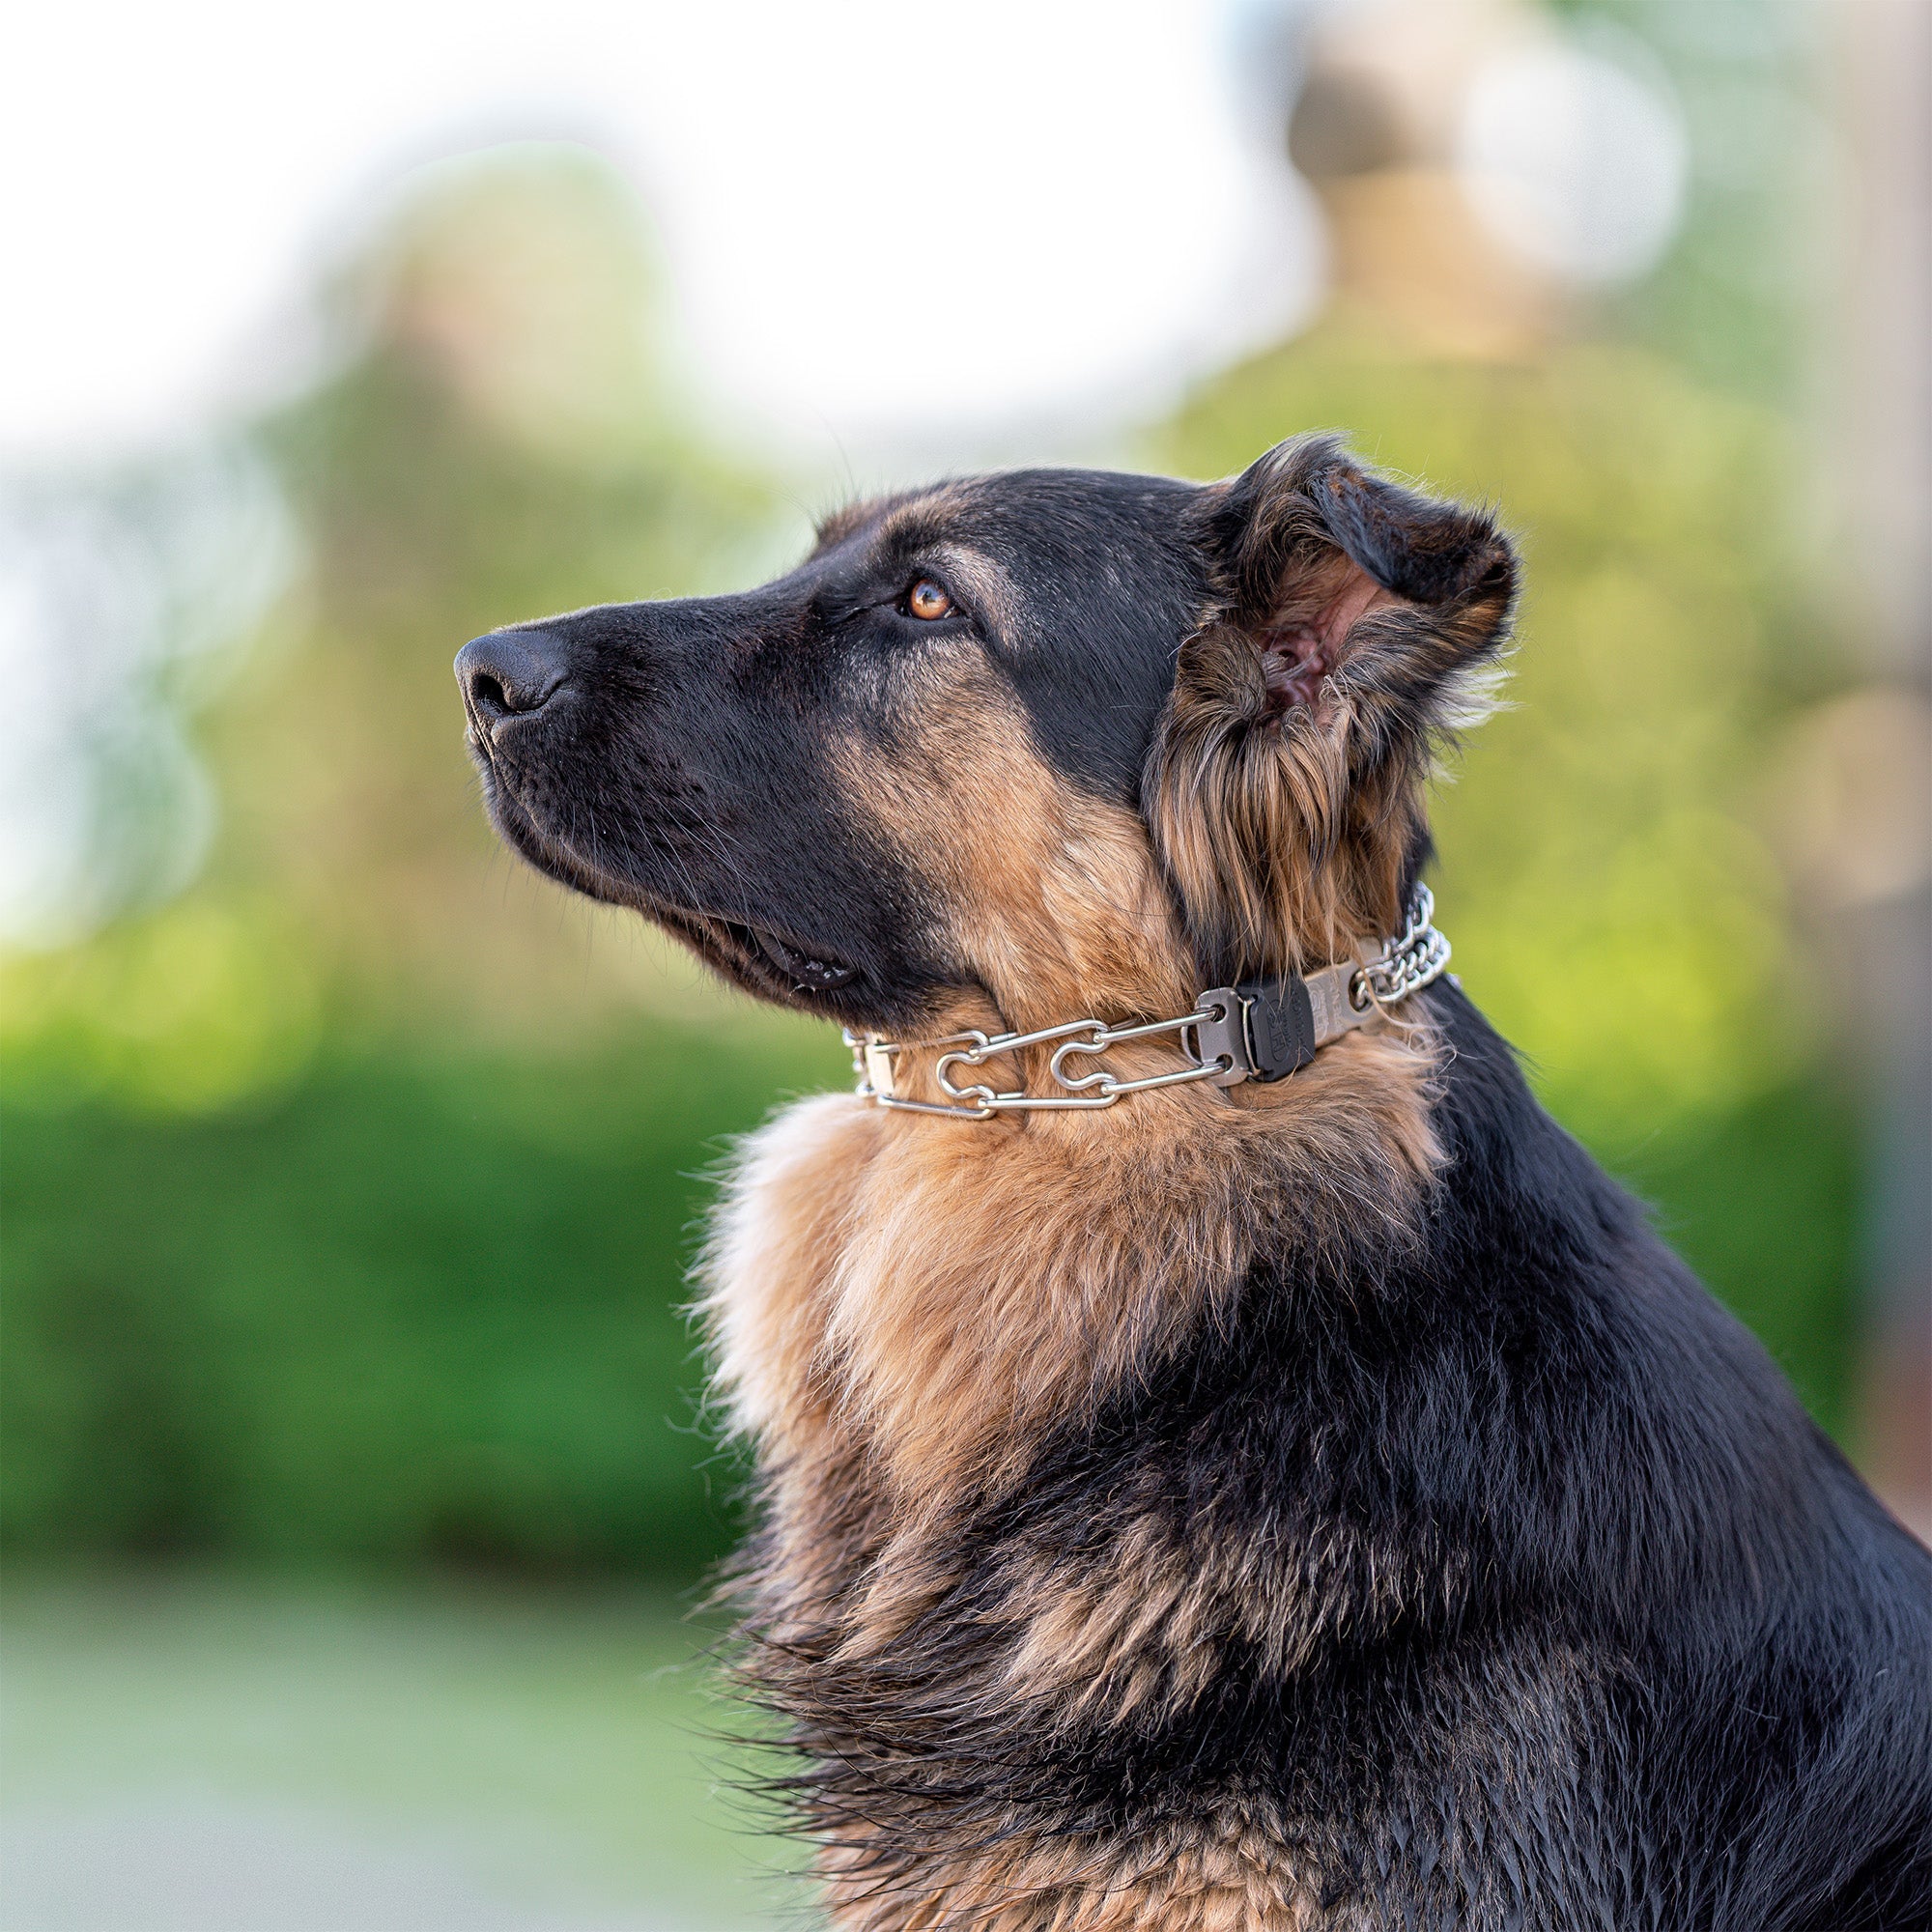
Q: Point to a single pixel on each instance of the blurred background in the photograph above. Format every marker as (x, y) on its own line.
(356, 1484)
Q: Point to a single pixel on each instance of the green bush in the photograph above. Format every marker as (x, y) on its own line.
(1764, 1202)
(417, 1307)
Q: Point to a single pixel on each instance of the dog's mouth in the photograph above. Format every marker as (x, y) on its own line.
(756, 958)
(759, 957)
(812, 970)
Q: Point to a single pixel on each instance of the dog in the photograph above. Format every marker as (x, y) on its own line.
(1226, 1459)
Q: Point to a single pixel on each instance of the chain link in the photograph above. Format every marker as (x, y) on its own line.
(1408, 963)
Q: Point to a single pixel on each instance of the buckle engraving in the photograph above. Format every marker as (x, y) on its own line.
(1281, 1025)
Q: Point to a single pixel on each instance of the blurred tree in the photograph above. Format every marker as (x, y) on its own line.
(1738, 300)
(502, 440)
(499, 435)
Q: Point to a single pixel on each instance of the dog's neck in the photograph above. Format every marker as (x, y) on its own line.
(887, 1285)
(1259, 1030)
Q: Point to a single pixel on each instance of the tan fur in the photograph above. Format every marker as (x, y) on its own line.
(994, 1280)
(1288, 827)
(1141, 1626)
(1050, 895)
(1262, 820)
(900, 1305)
(943, 1288)
(1231, 1877)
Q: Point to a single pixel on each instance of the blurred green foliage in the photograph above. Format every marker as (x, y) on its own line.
(499, 440)
(348, 1196)
(418, 1307)
(1739, 298)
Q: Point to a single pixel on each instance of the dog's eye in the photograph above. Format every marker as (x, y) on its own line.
(925, 598)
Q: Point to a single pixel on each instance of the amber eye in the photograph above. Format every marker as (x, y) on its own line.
(925, 598)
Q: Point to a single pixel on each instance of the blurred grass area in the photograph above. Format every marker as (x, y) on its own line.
(424, 1755)
(424, 1310)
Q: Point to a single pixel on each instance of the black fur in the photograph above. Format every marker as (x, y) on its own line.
(1600, 1630)
(1578, 1620)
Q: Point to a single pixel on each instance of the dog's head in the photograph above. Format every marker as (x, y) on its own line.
(1018, 748)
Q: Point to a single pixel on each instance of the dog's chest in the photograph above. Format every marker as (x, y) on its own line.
(984, 1669)
(936, 1299)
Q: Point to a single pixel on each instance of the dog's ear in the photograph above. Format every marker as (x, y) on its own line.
(1354, 624)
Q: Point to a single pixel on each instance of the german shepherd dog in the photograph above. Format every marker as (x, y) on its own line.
(1284, 1483)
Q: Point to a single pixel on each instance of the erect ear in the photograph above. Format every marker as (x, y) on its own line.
(1354, 624)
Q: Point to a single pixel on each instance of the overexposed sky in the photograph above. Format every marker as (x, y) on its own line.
(883, 222)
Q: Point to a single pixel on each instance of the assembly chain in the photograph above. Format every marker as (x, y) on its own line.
(1407, 963)
(1410, 962)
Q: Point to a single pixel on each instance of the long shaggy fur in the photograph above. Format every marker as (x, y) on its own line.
(1287, 834)
(1324, 1504)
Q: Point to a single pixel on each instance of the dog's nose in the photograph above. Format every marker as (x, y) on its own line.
(510, 673)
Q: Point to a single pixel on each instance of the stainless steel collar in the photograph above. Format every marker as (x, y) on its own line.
(1261, 1030)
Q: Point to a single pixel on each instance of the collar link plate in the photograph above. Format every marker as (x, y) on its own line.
(1261, 1030)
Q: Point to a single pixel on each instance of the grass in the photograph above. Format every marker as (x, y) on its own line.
(551, 1759)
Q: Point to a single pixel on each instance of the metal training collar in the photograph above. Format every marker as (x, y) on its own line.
(1261, 1030)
